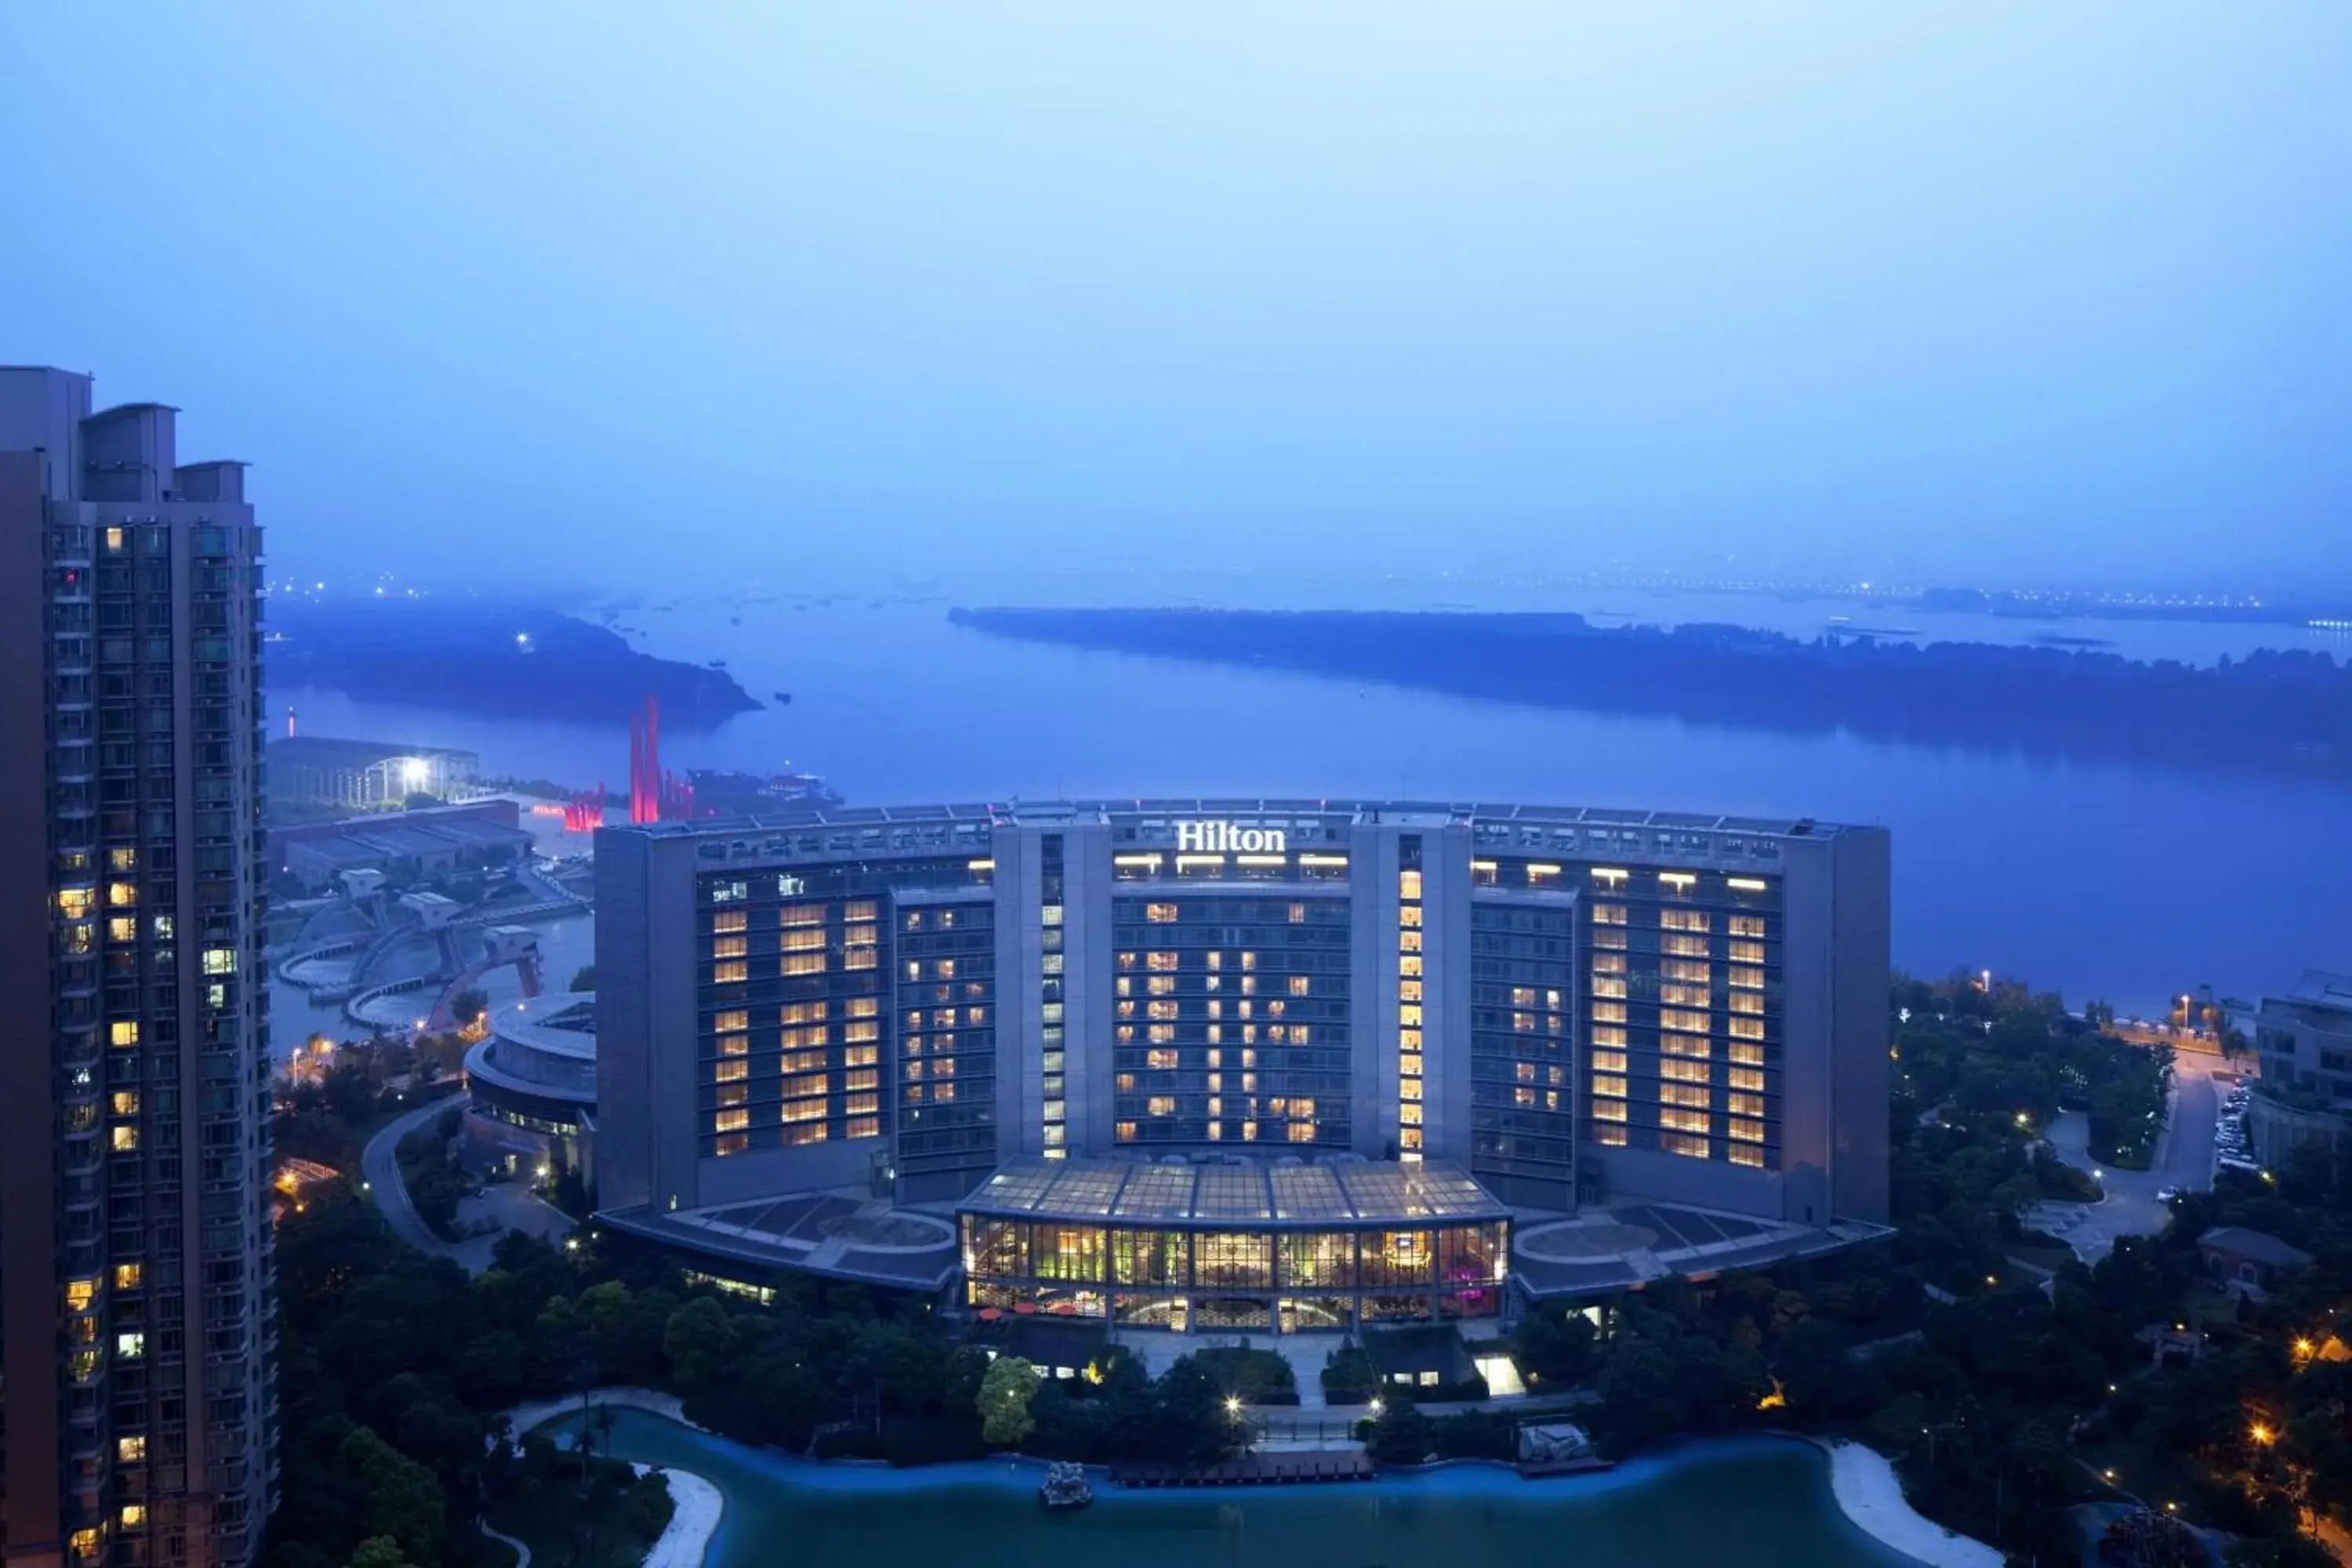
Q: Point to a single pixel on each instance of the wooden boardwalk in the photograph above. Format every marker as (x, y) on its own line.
(1250, 1470)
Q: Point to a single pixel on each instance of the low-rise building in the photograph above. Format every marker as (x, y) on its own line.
(2304, 1098)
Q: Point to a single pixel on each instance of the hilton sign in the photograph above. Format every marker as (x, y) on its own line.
(1227, 838)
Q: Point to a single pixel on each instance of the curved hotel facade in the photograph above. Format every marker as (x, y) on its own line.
(1399, 1027)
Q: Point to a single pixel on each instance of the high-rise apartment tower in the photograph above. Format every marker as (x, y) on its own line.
(135, 1331)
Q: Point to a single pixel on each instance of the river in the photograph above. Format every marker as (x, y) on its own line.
(1761, 1502)
(2103, 880)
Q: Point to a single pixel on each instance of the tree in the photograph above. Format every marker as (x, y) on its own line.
(468, 1005)
(1004, 1395)
(700, 1341)
(404, 1497)
(1554, 1346)
(584, 978)
(379, 1552)
(1401, 1436)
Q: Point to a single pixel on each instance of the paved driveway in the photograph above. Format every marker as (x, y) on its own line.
(2184, 1158)
(508, 1205)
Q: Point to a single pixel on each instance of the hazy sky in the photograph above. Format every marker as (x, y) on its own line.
(1979, 291)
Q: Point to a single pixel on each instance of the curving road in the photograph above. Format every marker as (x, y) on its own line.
(2184, 1159)
(506, 1205)
(380, 1167)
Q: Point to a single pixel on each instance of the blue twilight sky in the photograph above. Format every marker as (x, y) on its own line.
(1988, 292)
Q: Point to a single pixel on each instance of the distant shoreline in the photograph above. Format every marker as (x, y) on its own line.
(487, 660)
(2278, 713)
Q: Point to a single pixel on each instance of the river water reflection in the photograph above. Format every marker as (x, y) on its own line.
(2107, 880)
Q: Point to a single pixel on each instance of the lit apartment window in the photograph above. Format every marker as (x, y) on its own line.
(1683, 1071)
(1611, 1137)
(1608, 1062)
(1746, 925)
(1683, 1144)
(1685, 1120)
(1746, 1154)
(730, 973)
(1609, 1111)
(1683, 1094)
(1745, 1078)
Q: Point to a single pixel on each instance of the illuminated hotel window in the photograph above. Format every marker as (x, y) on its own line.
(1609, 1061)
(123, 1032)
(804, 1132)
(1609, 914)
(734, 1143)
(1683, 1094)
(1686, 1045)
(730, 1121)
(1159, 914)
(1408, 1114)
(1160, 962)
(865, 1080)
(1409, 1088)
(1684, 1071)
(803, 1013)
(1684, 995)
(802, 963)
(1746, 1154)
(1747, 1055)
(1685, 1120)
(804, 1111)
(1746, 925)
(1747, 952)
(1688, 1022)
(1744, 1105)
(1685, 969)
(1161, 986)
(1748, 979)
(808, 940)
(1608, 963)
(1609, 1111)
(1409, 915)
(800, 915)
(1677, 1143)
(1610, 985)
(1746, 1002)
(1123, 1132)
(1162, 1034)
(1748, 1131)
(729, 947)
(1684, 946)
(730, 973)
(1409, 1065)
(1523, 1022)
(1683, 919)
(1608, 1088)
(730, 919)
(1747, 1028)
(1611, 1137)
(1609, 1012)
(861, 1104)
(1161, 1105)
(1408, 990)
(1611, 939)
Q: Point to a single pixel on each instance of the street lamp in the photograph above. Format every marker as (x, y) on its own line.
(1232, 1405)
(1374, 1405)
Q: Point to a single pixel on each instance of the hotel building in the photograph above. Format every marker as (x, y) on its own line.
(136, 1337)
(1279, 1062)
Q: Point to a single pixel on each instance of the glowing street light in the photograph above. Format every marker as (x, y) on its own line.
(1233, 1404)
(2262, 1434)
